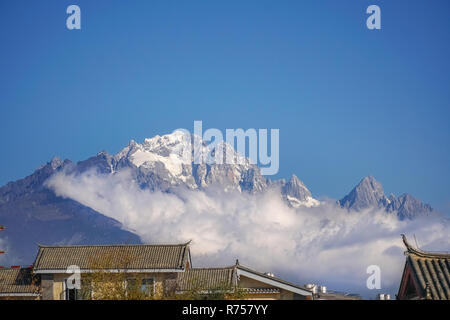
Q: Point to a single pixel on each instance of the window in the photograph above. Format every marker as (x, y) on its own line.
(131, 284)
(146, 285)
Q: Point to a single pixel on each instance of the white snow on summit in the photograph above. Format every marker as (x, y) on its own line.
(168, 160)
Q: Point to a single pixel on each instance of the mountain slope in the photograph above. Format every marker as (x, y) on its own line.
(34, 214)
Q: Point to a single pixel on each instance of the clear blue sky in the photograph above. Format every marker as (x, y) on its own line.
(348, 101)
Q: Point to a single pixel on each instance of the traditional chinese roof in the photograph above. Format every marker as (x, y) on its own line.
(429, 272)
(206, 279)
(128, 258)
(17, 282)
(272, 280)
(219, 278)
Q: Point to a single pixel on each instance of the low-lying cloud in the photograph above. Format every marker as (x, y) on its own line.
(325, 244)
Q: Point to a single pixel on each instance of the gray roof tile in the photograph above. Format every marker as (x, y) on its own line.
(17, 281)
(205, 279)
(431, 271)
(112, 257)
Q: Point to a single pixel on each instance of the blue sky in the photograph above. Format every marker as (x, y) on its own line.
(348, 101)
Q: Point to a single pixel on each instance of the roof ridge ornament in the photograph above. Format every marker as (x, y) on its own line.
(412, 250)
(416, 251)
(407, 245)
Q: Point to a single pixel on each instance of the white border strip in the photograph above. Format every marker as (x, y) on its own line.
(19, 294)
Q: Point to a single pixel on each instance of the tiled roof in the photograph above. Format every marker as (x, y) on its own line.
(206, 279)
(218, 278)
(124, 257)
(431, 272)
(17, 281)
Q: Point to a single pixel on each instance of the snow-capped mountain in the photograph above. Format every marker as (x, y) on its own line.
(369, 193)
(33, 213)
(166, 162)
(296, 193)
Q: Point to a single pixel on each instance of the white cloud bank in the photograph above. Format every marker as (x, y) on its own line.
(325, 245)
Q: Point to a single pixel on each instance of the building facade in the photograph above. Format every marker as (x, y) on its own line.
(156, 266)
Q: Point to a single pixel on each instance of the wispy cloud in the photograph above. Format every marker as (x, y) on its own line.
(325, 244)
(9, 257)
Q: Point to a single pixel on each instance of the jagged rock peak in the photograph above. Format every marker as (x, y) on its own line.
(55, 163)
(368, 193)
(296, 188)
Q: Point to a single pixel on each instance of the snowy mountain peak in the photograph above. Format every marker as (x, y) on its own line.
(295, 181)
(168, 141)
(175, 154)
(297, 194)
(296, 188)
(166, 162)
